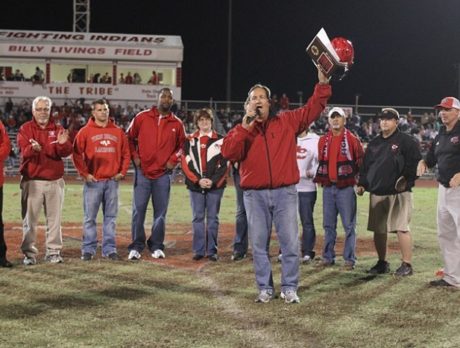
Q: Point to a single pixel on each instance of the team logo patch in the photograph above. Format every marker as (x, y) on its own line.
(394, 147)
(301, 152)
(455, 140)
(52, 134)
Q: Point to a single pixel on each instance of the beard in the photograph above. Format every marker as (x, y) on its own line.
(164, 107)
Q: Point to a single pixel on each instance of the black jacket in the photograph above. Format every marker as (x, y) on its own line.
(387, 159)
(445, 152)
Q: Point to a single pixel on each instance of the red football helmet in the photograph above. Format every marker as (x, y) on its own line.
(344, 49)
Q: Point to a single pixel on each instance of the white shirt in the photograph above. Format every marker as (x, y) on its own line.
(307, 161)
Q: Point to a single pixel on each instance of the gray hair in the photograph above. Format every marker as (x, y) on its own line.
(40, 98)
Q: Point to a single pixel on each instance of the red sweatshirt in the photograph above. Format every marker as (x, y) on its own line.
(101, 151)
(46, 164)
(267, 155)
(155, 141)
(5, 148)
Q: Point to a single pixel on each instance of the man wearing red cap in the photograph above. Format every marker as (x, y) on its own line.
(445, 152)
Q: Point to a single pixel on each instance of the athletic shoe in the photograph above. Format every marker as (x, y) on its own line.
(197, 257)
(326, 263)
(87, 257)
(5, 263)
(290, 296)
(213, 257)
(441, 283)
(29, 261)
(134, 255)
(238, 256)
(158, 254)
(264, 296)
(404, 270)
(279, 258)
(55, 258)
(348, 266)
(113, 256)
(306, 259)
(381, 267)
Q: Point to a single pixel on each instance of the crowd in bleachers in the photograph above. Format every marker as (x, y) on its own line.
(73, 115)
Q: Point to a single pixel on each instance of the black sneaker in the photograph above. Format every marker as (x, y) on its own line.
(113, 256)
(381, 267)
(237, 256)
(87, 257)
(441, 283)
(213, 257)
(197, 257)
(404, 270)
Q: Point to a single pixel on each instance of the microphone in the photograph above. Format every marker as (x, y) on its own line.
(258, 113)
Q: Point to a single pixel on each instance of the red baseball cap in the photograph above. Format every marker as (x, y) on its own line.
(449, 103)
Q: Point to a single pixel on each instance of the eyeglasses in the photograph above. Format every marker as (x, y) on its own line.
(42, 109)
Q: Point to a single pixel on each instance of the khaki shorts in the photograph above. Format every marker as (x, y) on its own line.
(390, 213)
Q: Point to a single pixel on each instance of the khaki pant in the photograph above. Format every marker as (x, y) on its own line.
(390, 213)
(35, 195)
(449, 232)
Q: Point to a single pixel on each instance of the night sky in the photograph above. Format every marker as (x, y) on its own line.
(406, 51)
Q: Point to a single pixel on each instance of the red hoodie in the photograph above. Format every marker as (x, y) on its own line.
(101, 151)
(268, 155)
(46, 164)
(5, 148)
(155, 141)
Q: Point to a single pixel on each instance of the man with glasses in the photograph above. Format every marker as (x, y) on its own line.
(43, 145)
(445, 153)
(389, 173)
(340, 154)
(265, 146)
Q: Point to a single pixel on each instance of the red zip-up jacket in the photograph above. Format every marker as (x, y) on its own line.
(155, 141)
(101, 151)
(46, 164)
(5, 148)
(267, 154)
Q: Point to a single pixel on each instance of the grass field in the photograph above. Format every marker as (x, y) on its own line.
(168, 303)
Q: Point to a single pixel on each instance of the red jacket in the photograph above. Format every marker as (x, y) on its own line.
(46, 164)
(267, 155)
(101, 151)
(5, 148)
(155, 141)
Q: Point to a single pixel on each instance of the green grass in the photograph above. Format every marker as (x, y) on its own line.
(106, 304)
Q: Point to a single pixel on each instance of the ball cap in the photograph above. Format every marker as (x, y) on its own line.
(389, 113)
(336, 110)
(449, 103)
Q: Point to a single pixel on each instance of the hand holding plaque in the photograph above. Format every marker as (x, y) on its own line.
(334, 58)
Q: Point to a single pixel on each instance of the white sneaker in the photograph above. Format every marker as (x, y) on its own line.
(56, 258)
(264, 296)
(158, 254)
(280, 258)
(290, 296)
(29, 261)
(306, 259)
(134, 255)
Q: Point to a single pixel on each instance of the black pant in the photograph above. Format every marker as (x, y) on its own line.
(2, 238)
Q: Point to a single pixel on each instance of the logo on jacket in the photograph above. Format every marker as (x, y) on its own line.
(455, 140)
(174, 129)
(105, 142)
(52, 134)
(394, 148)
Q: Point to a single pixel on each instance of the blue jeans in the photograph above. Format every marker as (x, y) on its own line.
(145, 189)
(278, 206)
(205, 205)
(307, 202)
(339, 201)
(240, 242)
(95, 194)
